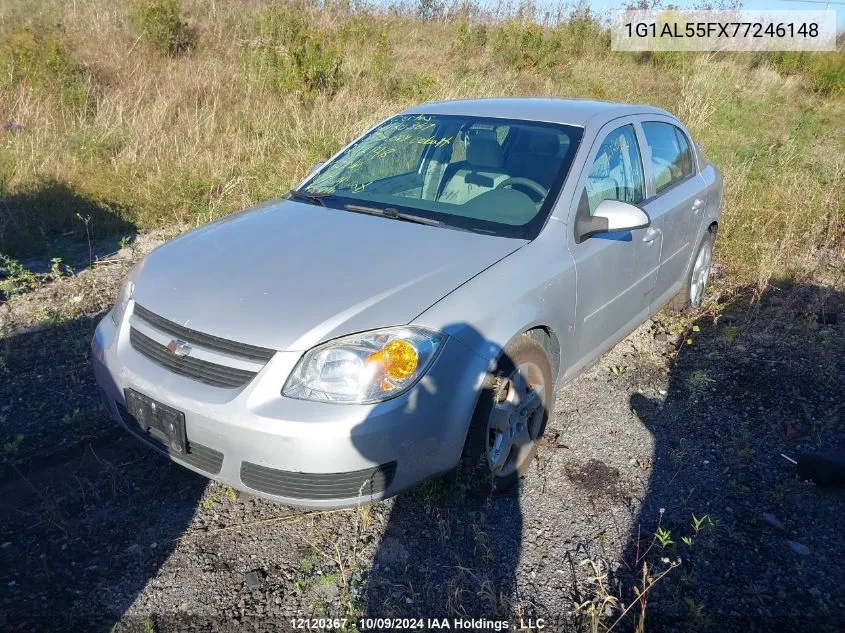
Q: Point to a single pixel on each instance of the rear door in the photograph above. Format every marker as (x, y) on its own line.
(676, 200)
(615, 272)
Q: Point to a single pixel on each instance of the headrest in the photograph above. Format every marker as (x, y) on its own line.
(484, 152)
(601, 167)
(544, 143)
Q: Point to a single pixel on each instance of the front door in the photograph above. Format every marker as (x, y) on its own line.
(615, 272)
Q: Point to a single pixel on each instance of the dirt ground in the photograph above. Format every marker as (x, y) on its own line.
(660, 471)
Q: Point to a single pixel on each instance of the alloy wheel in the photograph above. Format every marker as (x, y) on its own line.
(516, 418)
(700, 274)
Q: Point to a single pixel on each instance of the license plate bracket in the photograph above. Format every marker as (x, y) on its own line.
(158, 420)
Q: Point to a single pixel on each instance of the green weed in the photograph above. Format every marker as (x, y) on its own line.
(10, 449)
(38, 57)
(17, 279)
(663, 538)
(162, 24)
(291, 56)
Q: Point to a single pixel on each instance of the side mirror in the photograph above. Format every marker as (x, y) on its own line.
(609, 217)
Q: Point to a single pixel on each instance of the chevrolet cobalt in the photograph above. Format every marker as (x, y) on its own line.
(413, 304)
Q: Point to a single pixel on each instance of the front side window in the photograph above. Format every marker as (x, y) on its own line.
(498, 176)
(671, 157)
(617, 170)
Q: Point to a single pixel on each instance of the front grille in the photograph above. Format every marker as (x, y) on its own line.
(318, 485)
(201, 370)
(215, 343)
(198, 456)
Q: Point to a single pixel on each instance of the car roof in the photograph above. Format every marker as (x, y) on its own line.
(580, 112)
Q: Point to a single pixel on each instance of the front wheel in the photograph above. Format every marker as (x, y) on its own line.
(509, 418)
(691, 293)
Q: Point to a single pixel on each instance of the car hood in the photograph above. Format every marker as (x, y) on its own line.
(288, 275)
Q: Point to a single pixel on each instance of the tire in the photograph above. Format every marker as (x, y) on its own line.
(504, 392)
(684, 299)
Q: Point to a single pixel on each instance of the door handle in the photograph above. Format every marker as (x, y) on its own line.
(696, 206)
(651, 234)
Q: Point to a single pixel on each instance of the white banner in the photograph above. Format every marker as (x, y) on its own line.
(674, 30)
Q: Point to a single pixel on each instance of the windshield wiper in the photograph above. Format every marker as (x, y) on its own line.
(315, 197)
(393, 214)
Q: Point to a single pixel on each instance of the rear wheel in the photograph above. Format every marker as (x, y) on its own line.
(691, 293)
(510, 417)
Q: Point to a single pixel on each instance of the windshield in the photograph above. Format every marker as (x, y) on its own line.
(496, 176)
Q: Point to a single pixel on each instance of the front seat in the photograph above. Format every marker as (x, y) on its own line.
(601, 185)
(479, 173)
(536, 157)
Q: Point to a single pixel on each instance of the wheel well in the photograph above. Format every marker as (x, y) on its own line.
(548, 339)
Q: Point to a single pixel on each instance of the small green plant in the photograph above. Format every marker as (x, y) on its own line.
(10, 449)
(698, 383)
(413, 87)
(700, 619)
(209, 502)
(38, 57)
(326, 580)
(72, 418)
(232, 494)
(162, 24)
(309, 559)
(702, 523)
(524, 45)
(595, 608)
(382, 62)
(618, 370)
(663, 538)
(148, 625)
(290, 55)
(320, 607)
(57, 269)
(688, 578)
(827, 74)
(18, 279)
(462, 37)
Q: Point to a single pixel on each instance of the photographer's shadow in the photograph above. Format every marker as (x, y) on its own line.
(452, 544)
(763, 379)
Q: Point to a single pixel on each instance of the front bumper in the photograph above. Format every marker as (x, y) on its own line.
(296, 452)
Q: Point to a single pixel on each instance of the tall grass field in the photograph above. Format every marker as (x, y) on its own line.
(118, 116)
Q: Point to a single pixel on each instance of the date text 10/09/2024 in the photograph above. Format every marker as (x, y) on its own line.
(417, 624)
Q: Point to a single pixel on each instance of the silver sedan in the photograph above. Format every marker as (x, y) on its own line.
(410, 308)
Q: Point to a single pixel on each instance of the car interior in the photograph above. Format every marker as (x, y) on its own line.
(488, 171)
(615, 174)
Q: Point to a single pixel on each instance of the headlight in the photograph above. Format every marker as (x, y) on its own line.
(123, 297)
(364, 368)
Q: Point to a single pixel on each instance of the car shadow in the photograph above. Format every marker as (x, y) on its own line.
(450, 548)
(51, 220)
(89, 515)
(754, 378)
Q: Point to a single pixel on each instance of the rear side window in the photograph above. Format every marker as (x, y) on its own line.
(671, 155)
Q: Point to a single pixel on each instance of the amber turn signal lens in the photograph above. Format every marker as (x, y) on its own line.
(398, 359)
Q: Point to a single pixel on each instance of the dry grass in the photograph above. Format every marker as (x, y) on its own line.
(165, 139)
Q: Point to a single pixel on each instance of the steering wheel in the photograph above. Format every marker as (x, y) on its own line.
(536, 187)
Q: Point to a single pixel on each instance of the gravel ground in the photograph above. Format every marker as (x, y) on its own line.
(679, 428)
